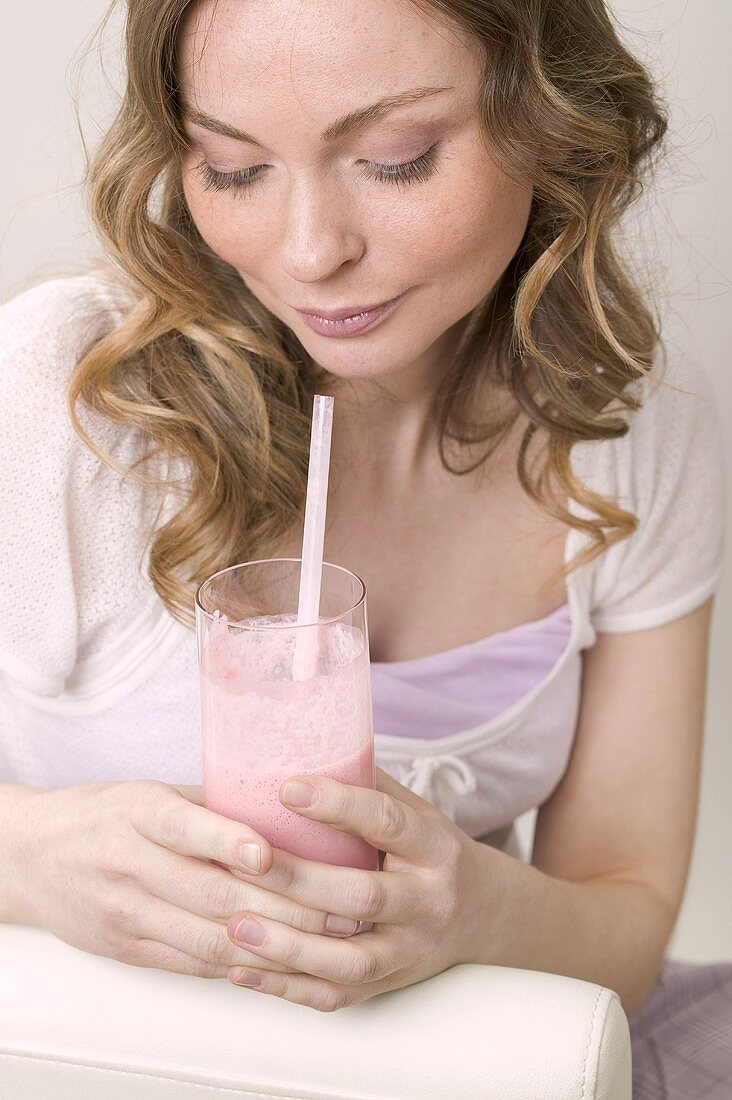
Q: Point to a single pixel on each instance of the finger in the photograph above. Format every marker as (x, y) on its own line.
(208, 891)
(365, 958)
(202, 939)
(303, 989)
(151, 953)
(388, 823)
(385, 897)
(390, 786)
(169, 819)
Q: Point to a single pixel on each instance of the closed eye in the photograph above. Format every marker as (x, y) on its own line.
(412, 171)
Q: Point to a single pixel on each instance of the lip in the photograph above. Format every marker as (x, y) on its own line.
(336, 323)
(347, 311)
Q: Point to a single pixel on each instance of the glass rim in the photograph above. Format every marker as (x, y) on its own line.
(279, 626)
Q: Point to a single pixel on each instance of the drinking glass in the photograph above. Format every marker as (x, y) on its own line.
(268, 714)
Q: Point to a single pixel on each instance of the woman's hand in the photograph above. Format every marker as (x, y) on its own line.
(425, 904)
(129, 870)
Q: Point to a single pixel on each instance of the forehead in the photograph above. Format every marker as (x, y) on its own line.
(314, 58)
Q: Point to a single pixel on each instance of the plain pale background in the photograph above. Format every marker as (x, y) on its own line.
(685, 224)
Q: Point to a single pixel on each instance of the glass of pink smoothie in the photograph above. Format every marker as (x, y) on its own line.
(267, 714)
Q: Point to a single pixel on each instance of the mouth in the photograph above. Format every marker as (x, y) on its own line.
(350, 320)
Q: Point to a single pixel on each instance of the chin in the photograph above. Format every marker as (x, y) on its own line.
(358, 371)
(363, 365)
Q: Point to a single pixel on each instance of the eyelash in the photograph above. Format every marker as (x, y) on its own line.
(413, 171)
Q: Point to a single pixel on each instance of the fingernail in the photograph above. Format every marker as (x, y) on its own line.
(299, 794)
(343, 925)
(247, 977)
(250, 931)
(250, 856)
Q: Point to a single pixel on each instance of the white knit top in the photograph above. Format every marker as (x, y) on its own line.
(98, 681)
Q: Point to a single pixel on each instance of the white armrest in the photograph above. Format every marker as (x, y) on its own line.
(75, 1026)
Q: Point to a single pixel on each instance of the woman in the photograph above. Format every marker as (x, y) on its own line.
(540, 568)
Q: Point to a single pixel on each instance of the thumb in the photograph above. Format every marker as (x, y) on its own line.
(193, 794)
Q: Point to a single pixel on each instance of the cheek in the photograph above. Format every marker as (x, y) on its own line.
(477, 225)
(219, 218)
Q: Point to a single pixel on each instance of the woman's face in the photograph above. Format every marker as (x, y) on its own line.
(316, 223)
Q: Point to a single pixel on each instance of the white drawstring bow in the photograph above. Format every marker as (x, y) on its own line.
(439, 779)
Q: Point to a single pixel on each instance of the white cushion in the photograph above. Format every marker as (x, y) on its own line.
(75, 1026)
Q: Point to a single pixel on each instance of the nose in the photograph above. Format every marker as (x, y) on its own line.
(320, 232)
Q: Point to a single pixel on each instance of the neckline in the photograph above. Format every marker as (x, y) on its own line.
(454, 651)
(391, 747)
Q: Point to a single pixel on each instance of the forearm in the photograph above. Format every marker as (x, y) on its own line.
(611, 933)
(15, 826)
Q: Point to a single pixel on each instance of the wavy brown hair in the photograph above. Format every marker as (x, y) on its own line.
(211, 377)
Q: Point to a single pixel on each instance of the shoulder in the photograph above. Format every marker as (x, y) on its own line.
(675, 424)
(676, 399)
(672, 455)
(61, 504)
(70, 298)
(46, 329)
(44, 332)
(667, 471)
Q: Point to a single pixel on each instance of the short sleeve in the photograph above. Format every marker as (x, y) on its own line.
(670, 475)
(71, 544)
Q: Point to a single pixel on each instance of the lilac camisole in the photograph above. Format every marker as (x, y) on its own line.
(458, 689)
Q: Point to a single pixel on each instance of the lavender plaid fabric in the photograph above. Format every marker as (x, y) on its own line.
(682, 1036)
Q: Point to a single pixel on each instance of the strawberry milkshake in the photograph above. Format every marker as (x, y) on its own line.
(262, 725)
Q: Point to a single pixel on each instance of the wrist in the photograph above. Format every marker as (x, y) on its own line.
(16, 832)
(492, 876)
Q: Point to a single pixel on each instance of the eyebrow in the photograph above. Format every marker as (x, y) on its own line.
(345, 125)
